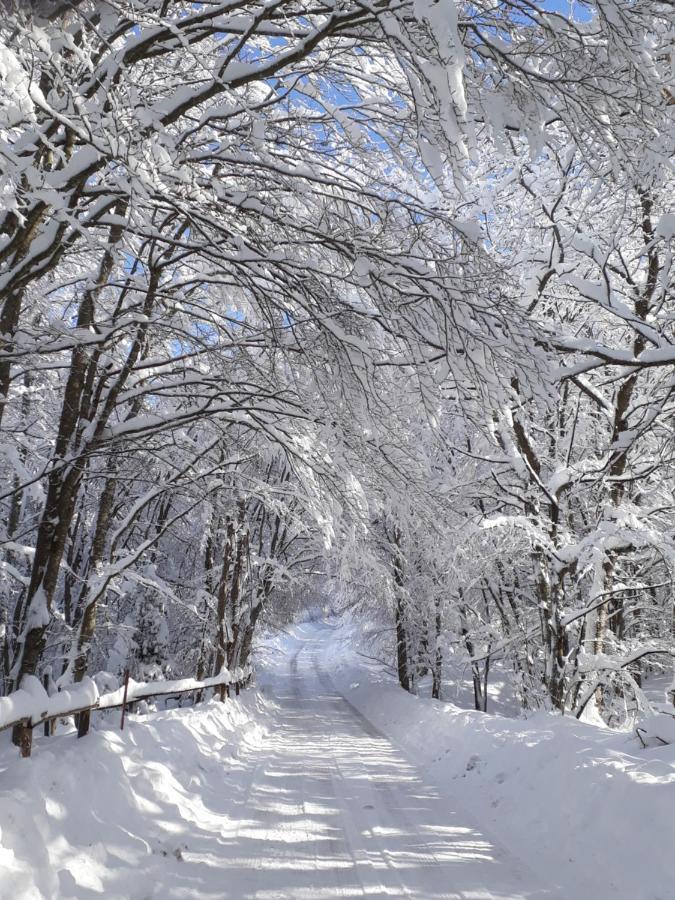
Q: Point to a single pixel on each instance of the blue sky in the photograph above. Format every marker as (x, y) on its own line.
(580, 11)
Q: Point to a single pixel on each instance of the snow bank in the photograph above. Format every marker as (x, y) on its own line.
(144, 813)
(586, 806)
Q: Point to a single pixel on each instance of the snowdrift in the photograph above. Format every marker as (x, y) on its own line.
(102, 817)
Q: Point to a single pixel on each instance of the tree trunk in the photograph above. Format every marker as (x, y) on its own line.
(236, 586)
(403, 662)
(89, 602)
(222, 633)
(479, 701)
(437, 668)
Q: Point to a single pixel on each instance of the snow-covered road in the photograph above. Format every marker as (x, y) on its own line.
(327, 782)
(335, 810)
(296, 796)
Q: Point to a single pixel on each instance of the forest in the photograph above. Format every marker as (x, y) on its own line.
(358, 303)
(337, 366)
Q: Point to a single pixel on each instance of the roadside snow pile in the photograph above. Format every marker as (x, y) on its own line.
(579, 801)
(128, 814)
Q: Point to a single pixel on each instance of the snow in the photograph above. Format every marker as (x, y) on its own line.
(143, 813)
(658, 729)
(17, 103)
(296, 796)
(31, 701)
(23, 703)
(666, 226)
(583, 804)
(329, 781)
(84, 159)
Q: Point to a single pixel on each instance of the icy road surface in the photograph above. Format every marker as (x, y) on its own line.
(337, 811)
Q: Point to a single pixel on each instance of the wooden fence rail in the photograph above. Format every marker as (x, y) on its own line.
(123, 698)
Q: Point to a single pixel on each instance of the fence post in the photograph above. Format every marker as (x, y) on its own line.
(222, 691)
(124, 698)
(236, 688)
(48, 722)
(83, 719)
(25, 738)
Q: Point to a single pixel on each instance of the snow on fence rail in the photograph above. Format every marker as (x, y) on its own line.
(31, 705)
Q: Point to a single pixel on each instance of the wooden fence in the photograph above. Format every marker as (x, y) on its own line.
(124, 698)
